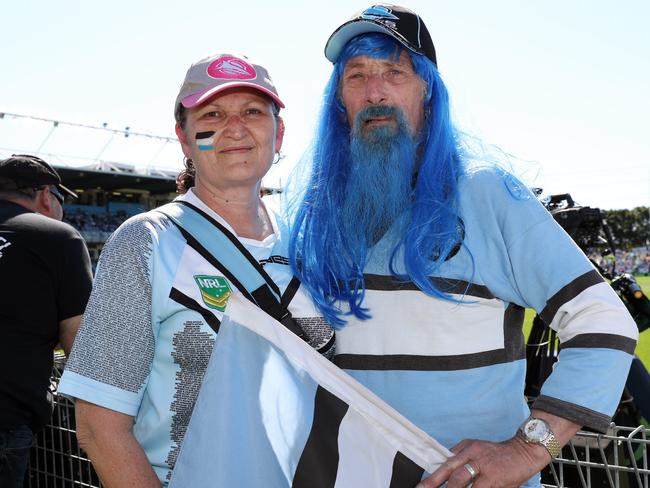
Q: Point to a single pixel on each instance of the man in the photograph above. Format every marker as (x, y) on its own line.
(425, 262)
(46, 281)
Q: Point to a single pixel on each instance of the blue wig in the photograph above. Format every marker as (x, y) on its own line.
(329, 262)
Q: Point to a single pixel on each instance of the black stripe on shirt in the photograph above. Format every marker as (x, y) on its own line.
(608, 341)
(240, 247)
(575, 413)
(515, 350)
(568, 293)
(210, 258)
(406, 474)
(190, 303)
(319, 462)
(290, 292)
(411, 362)
(513, 336)
(445, 285)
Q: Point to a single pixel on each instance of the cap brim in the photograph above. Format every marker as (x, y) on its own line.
(349, 30)
(196, 99)
(67, 191)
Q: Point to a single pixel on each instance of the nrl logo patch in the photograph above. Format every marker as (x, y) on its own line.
(215, 291)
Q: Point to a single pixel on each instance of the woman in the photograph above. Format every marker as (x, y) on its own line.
(146, 337)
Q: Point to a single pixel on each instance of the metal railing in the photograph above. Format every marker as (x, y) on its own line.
(56, 461)
(617, 459)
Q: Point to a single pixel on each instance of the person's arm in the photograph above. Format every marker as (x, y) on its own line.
(107, 437)
(506, 464)
(73, 289)
(67, 332)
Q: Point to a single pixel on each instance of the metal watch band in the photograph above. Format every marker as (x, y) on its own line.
(552, 445)
(549, 441)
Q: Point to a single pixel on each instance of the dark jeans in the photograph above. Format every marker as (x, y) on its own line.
(14, 454)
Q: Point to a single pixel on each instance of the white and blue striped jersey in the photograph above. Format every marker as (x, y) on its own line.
(457, 368)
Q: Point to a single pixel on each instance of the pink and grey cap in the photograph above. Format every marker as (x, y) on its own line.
(400, 23)
(216, 73)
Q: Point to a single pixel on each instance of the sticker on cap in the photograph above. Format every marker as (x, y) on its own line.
(378, 12)
(231, 68)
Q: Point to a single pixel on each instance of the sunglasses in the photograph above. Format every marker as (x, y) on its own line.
(55, 193)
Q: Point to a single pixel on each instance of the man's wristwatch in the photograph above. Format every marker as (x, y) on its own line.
(537, 431)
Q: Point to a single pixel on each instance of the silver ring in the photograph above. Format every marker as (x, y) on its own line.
(470, 469)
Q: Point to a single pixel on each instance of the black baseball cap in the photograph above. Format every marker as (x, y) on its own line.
(26, 171)
(402, 24)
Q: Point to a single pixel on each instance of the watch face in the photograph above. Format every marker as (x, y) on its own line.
(536, 430)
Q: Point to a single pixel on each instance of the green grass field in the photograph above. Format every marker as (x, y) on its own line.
(642, 348)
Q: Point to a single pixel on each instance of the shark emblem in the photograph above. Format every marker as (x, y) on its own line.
(378, 12)
(231, 68)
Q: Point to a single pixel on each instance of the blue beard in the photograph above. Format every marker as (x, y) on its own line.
(379, 183)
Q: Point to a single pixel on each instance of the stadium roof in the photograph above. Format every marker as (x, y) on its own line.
(84, 179)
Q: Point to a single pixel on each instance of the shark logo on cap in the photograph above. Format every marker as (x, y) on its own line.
(378, 12)
(231, 68)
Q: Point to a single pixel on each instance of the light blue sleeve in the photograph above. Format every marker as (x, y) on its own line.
(525, 257)
(111, 358)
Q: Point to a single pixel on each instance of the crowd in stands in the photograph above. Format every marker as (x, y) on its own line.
(95, 227)
(635, 261)
(104, 222)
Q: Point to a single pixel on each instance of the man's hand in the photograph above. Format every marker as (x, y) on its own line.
(504, 465)
(499, 464)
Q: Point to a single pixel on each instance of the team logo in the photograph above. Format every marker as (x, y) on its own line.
(231, 68)
(378, 12)
(215, 291)
(382, 15)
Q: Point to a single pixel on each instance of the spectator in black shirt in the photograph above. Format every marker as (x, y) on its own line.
(46, 281)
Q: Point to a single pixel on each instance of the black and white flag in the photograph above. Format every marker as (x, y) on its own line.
(274, 412)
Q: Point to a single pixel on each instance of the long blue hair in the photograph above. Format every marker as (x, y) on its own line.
(327, 261)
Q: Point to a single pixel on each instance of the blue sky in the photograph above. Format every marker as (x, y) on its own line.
(561, 85)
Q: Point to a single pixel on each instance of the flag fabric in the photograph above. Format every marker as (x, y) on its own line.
(273, 412)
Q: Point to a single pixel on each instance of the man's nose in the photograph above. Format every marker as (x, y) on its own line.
(375, 92)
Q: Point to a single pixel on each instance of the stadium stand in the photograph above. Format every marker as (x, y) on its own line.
(108, 196)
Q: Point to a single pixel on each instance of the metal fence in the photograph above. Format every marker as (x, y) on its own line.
(618, 459)
(55, 459)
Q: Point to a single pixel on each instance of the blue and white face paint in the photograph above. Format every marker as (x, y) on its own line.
(205, 141)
